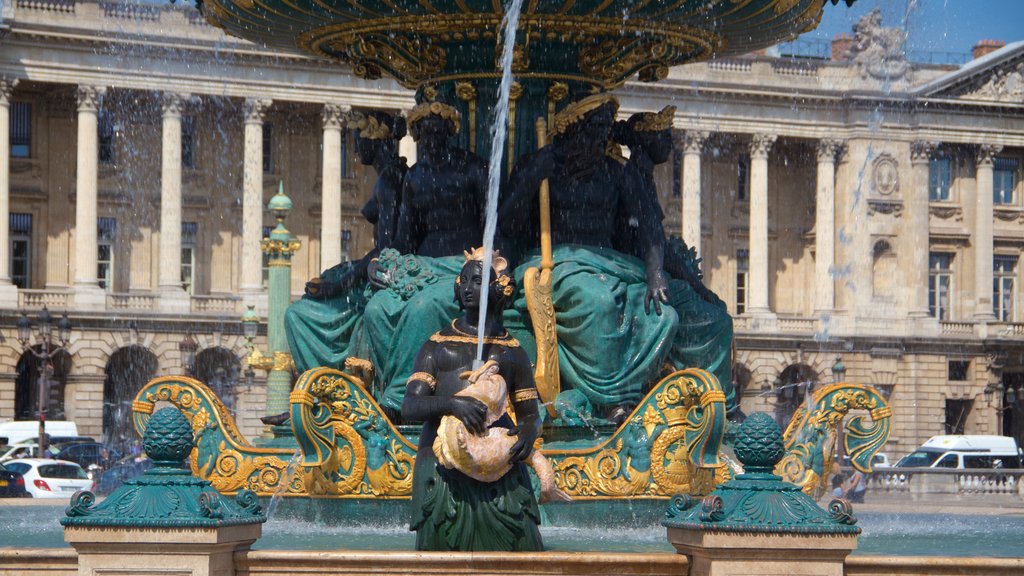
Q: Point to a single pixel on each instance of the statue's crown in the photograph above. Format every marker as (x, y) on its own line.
(578, 110)
(441, 109)
(656, 121)
(497, 261)
(370, 128)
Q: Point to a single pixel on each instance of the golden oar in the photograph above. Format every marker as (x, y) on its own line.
(537, 285)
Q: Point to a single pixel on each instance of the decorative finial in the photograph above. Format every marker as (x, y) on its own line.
(759, 443)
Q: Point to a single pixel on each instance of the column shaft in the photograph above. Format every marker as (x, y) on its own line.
(252, 197)
(915, 237)
(330, 202)
(824, 225)
(85, 188)
(170, 195)
(6, 88)
(983, 234)
(760, 145)
(693, 144)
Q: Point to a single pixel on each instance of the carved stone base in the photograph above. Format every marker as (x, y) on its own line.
(8, 295)
(160, 551)
(733, 553)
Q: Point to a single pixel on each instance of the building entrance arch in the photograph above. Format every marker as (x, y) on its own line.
(127, 371)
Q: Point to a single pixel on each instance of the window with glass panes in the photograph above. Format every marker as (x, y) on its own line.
(106, 234)
(266, 258)
(107, 136)
(268, 144)
(742, 269)
(1004, 179)
(21, 249)
(189, 232)
(1004, 272)
(939, 179)
(677, 173)
(188, 142)
(940, 282)
(346, 153)
(743, 177)
(21, 129)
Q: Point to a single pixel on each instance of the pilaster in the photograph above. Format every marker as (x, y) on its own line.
(172, 295)
(983, 234)
(760, 146)
(335, 117)
(915, 238)
(824, 226)
(693, 145)
(88, 294)
(252, 201)
(8, 292)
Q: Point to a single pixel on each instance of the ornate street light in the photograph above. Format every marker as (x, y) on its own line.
(45, 356)
(839, 369)
(1011, 395)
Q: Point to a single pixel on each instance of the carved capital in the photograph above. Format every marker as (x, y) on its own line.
(7, 85)
(692, 141)
(986, 153)
(256, 110)
(829, 149)
(761, 144)
(88, 97)
(921, 151)
(336, 115)
(172, 103)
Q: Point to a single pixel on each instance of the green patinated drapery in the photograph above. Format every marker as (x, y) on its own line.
(609, 348)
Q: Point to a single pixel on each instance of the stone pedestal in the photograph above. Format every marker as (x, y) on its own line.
(160, 551)
(728, 553)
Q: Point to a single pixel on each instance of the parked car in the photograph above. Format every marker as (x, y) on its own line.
(48, 478)
(87, 454)
(12, 484)
(964, 451)
(122, 471)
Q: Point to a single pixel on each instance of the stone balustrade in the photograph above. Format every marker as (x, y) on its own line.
(37, 299)
(727, 65)
(230, 304)
(48, 5)
(917, 482)
(132, 301)
(806, 325)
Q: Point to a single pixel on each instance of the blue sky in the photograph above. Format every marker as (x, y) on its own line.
(933, 25)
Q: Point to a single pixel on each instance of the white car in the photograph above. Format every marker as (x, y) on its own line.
(47, 478)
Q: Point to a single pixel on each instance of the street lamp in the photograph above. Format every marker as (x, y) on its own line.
(839, 369)
(45, 356)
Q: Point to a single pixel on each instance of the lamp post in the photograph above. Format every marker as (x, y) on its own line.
(839, 375)
(45, 356)
(279, 248)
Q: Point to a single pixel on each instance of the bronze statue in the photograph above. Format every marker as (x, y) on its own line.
(451, 510)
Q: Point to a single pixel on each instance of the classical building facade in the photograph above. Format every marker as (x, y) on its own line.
(861, 207)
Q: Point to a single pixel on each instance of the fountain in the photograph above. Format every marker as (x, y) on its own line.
(638, 420)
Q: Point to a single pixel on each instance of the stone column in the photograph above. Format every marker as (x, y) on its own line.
(334, 117)
(87, 291)
(172, 296)
(915, 236)
(251, 283)
(824, 226)
(8, 292)
(693, 144)
(983, 234)
(760, 145)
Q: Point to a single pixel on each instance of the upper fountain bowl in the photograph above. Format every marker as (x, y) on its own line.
(597, 42)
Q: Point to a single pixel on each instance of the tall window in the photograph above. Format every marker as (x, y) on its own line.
(677, 173)
(940, 281)
(107, 136)
(189, 232)
(742, 269)
(21, 249)
(743, 178)
(1004, 272)
(21, 129)
(1004, 179)
(106, 234)
(188, 142)
(346, 244)
(939, 178)
(268, 148)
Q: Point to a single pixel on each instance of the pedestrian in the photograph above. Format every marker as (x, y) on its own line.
(857, 487)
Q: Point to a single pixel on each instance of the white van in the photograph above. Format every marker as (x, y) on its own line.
(964, 451)
(21, 430)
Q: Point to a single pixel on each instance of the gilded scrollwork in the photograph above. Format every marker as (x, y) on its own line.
(811, 435)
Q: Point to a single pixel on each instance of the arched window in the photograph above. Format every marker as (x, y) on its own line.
(127, 371)
(27, 385)
(883, 271)
(795, 382)
(219, 369)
